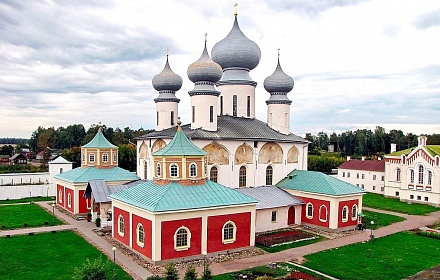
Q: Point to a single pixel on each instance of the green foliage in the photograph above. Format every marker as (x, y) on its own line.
(96, 270)
(393, 204)
(207, 275)
(155, 277)
(434, 235)
(380, 219)
(15, 216)
(390, 257)
(27, 199)
(127, 157)
(190, 273)
(23, 168)
(73, 155)
(323, 164)
(7, 150)
(171, 272)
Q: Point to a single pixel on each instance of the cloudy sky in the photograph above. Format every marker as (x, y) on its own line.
(356, 63)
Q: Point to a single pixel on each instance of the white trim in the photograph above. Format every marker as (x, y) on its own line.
(60, 196)
(188, 239)
(90, 158)
(354, 210)
(177, 166)
(140, 243)
(121, 233)
(326, 213)
(195, 166)
(346, 214)
(69, 200)
(234, 233)
(105, 155)
(307, 210)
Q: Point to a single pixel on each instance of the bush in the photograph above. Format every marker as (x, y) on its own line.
(171, 272)
(190, 273)
(155, 277)
(98, 270)
(207, 273)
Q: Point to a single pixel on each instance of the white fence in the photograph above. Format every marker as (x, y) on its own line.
(24, 178)
(21, 191)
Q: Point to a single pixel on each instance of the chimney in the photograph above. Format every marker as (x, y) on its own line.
(379, 158)
(348, 158)
(363, 158)
(393, 148)
(422, 140)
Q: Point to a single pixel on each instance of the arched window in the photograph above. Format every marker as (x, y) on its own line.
(192, 170)
(354, 212)
(398, 174)
(60, 195)
(104, 157)
(115, 157)
(242, 177)
(158, 170)
(91, 157)
(213, 174)
(121, 226)
(411, 175)
(421, 171)
(140, 235)
(174, 170)
(229, 231)
(61, 170)
(345, 214)
(429, 177)
(182, 239)
(309, 209)
(323, 213)
(269, 175)
(69, 200)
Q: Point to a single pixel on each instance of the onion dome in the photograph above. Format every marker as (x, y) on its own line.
(167, 80)
(236, 50)
(205, 69)
(278, 81)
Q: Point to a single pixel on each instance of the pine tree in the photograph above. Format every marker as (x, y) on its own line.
(190, 273)
(171, 272)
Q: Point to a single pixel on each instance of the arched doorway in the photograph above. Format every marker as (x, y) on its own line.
(291, 215)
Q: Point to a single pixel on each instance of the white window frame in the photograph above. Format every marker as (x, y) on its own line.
(273, 215)
(188, 239)
(429, 179)
(69, 200)
(121, 223)
(60, 196)
(344, 219)
(115, 157)
(307, 210)
(398, 174)
(105, 157)
(192, 169)
(139, 242)
(92, 158)
(420, 174)
(234, 233)
(216, 174)
(158, 170)
(411, 176)
(326, 213)
(354, 212)
(177, 170)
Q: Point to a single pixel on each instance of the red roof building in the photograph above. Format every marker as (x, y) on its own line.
(367, 174)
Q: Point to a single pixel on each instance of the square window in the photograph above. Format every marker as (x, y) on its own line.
(426, 198)
(411, 196)
(348, 174)
(363, 176)
(382, 178)
(397, 193)
(374, 177)
(419, 197)
(374, 188)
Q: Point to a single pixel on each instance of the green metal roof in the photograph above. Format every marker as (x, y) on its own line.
(99, 141)
(433, 150)
(83, 175)
(157, 198)
(317, 182)
(180, 146)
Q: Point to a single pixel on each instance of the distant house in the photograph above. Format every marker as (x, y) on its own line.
(366, 174)
(17, 159)
(4, 159)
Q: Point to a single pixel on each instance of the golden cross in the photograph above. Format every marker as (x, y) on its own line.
(236, 5)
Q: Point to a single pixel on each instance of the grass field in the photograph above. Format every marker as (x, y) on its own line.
(47, 256)
(15, 216)
(27, 199)
(392, 204)
(380, 220)
(392, 257)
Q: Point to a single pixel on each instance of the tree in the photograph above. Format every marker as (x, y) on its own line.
(73, 155)
(98, 270)
(171, 272)
(127, 157)
(190, 273)
(207, 275)
(7, 150)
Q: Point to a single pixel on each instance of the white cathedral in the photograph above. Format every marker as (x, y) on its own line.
(243, 151)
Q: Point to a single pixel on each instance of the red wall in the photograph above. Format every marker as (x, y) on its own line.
(59, 187)
(126, 238)
(316, 204)
(69, 191)
(349, 204)
(215, 231)
(169, 228)
(146, 250)
(83, 203)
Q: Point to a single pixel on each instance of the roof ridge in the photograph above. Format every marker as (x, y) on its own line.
(159, 200)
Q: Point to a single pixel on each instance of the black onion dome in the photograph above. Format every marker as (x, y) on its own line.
(205, 69)
(236, 50)
(167, 79)
(278, 81)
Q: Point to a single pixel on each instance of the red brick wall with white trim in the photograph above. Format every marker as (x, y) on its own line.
(316, 205)
(350, 221)
(147, 248)
(169, 228)
(126, 234)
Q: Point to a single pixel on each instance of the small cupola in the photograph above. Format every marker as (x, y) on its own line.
(180, 161)
(99, 152)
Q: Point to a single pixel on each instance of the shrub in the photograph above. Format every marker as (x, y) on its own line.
(155, 277)
(98, 270)
(171, 272)
(190, 273)
(207, 273)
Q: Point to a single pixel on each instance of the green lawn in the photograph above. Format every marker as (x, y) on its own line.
(15, 216)
(380, 220)
(27, 199)
(392, 204)
(47, 256)
(392, 257)
(280, 248)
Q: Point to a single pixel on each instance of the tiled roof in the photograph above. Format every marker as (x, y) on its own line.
(231, 128)
(180, 146)
(84, 175)
(317, 182)
(367, 165)
(433, 150)
(270, 197)
(99, 141)
(157, 198)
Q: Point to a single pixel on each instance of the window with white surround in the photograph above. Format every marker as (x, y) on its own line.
(323, 213)
(354, 212)
(60, 196)
(357, 175)
(374, 177)
(115, 157)
(69, 200)
(309, 209)
(174, 170)
(348, 174)
(229, 232)
(192, 170)
(242, 177)
(121, 225)
(343, 174)
(104, 157)
(421, 172)
(91, 157)
(83, 157)
(411, 176)
(429, 181)
(158, 170)
(182, 239)
(274, 216)
(363, 176)
(398, 174)
(269, 175)
(344, 214)
(213, 174)
(140, 235)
